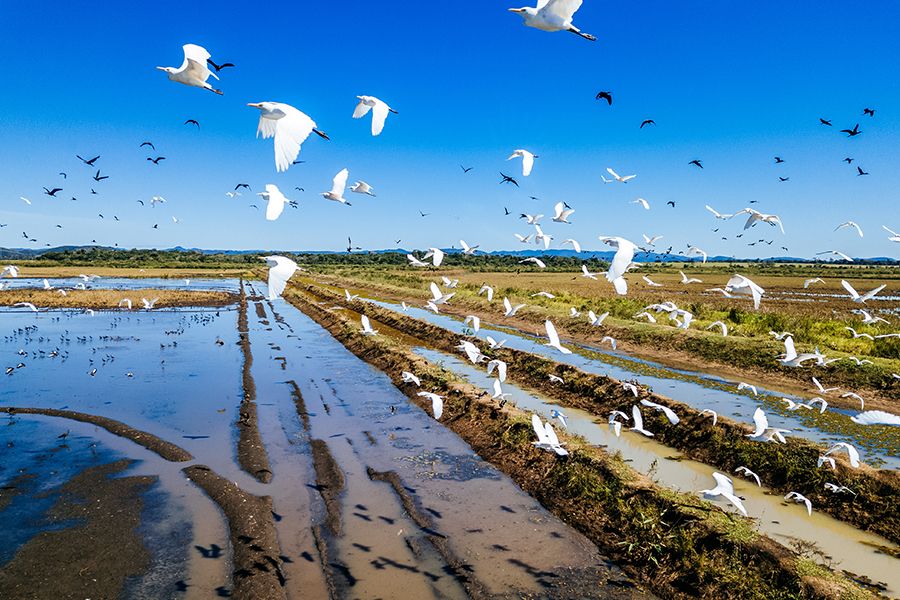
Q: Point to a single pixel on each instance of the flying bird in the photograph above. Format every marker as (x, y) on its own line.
(275, 201)
(553, 15)
(52, 192)
(379, 110)
(288, 126)
(193, 122)
(852, 132)
(647, 122)
(90, 162)
(193, 71)
(527, 160)
(847, 224)
(218, 68)
(508, 179)
(605, 96)
(156, 160)
(697, 163)
(616, 176)
(338, 185)
(725, 489)
(281, 269)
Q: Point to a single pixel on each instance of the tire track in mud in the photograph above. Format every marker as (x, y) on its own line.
(159, 446)
(252, 454)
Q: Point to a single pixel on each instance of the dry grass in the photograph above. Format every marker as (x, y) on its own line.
(104, 299)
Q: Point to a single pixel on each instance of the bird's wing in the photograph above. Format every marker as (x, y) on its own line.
(870, 295)
(279, 274)
(613, 173)
(551, 333)
(194, 64)
(290, 131)
(276, 201)
(437, 406)
(724, 485)
(361, 109)
(790, 352)
(621, 260)
(366, 325)
(761, 422)
(266, 127)
(339, 183)
(379, 114)
(562, 8)
(435, 291)
(853, 293)
(539, 430)
(637, 417)
(527, 163)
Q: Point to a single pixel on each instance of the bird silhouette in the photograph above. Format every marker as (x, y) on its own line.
(465, 169)
(861, 172)
(52, 192)
(99, 177)
(869, 111)
(156, 160)
(824, 121)
(508, 179)
(852, 132)
(647, 122)
(192, 122)
(219, 67)
(697, 163)
(148, 144)
(90, 162)
(604, 96)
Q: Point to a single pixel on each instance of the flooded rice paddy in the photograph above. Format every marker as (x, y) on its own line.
(878, 446)
(841, 545)
(400, 503)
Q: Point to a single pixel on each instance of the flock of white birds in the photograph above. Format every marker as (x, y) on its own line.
(289, 128)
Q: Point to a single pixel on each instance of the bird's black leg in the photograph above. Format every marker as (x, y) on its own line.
(586, 36)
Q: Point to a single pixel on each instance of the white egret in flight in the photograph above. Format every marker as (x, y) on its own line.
(509, 309)
(800, 499)
(575, 245)
(638, 421)
(338, 185)
(527, 160)
(618, 177)
(742, 286)
(749, 473)
(853, 224)
(379, 110)
(361, 187)
(562, 213)
(547, 439)
(288, 126)
(725, 489)
(553, 15)
(194, 70)
(275, 201)
(894, 237)
(876, 417)
(553, 336)
(856, 297)
(408, 377)
(437, 403)
(621, 261)
(280, 270)
(366, 326)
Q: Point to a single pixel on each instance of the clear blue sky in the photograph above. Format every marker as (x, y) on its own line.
(731, 84)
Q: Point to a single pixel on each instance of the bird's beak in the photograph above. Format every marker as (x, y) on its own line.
(255, 104)
(161, 68)
(516, 10)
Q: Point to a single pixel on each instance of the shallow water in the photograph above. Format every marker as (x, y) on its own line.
(186, 388)
(879, 446)
(848, 547)
(125, 283)
(486, 520)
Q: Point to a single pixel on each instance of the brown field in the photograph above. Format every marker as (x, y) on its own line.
(106, 299)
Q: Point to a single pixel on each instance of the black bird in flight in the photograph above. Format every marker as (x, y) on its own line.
(783, 178)
(64, 176)
(52, 192)
(869, 111)
(156, 226)
(647, 122)
(505, 211)
(670, 203)
(778, 160)
(192, 122)
(861, 172)
(92, 191)
(465, 169)
(852, 132)
(156, 160)
(298, 162)
(241, 185)
(604, 96)
(824, 121)
(299, 189)
(424, 214)
(848, 160)
(697, 163)
(148, 144)
(99, 177)
(219, 67)
(90, 162)
(508, 179)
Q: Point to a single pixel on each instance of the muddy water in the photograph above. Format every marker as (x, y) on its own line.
(472, 529)
(845, 546)
(879, 446)
(171, 394)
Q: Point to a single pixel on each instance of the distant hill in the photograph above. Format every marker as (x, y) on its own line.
(606, 255)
